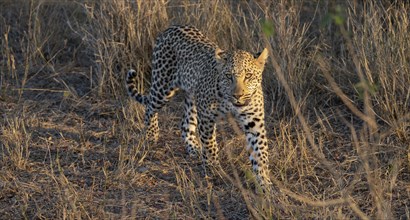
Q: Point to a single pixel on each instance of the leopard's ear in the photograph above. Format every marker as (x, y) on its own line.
(220, 56)
(261, 59)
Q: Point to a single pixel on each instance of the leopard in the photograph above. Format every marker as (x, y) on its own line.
(215, 83)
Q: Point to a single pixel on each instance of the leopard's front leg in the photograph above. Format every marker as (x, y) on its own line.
(252, 122)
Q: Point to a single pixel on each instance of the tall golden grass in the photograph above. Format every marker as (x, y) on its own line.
(337, 102)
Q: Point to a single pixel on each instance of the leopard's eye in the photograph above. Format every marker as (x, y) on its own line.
(248, 76)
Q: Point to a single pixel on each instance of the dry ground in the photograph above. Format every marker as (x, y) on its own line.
(337, 94)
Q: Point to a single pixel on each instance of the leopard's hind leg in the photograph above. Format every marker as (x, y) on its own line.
(161, 91)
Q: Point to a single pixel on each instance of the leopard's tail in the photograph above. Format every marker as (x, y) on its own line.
(131, 82)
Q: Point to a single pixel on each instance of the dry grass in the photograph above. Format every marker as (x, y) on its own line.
(338, 100)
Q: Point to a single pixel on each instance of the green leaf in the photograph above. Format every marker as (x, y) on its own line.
(268, 28)
(338, 19)
(371, 88)
(66, 94)
(336, 16)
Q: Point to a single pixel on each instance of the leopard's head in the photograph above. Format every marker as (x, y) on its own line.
(241, 74)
